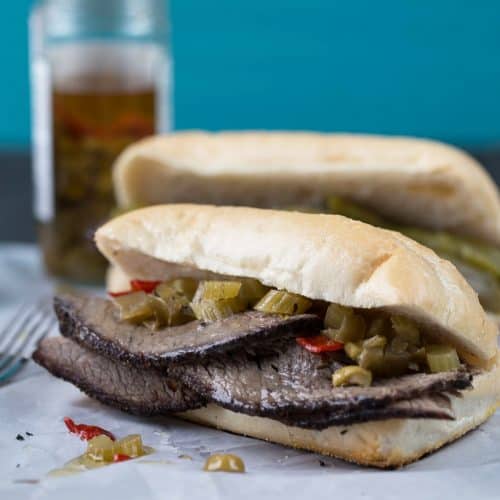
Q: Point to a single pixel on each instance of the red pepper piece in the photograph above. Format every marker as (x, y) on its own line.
(144, 286)
(120, 457)
(119, 294)
(86, 432)
(319, 344)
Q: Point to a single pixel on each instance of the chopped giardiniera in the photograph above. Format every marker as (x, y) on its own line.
(160, 312)
(441, 358)
(215, 310)
(135, 307)
(399, 345)
(218, 290)
(252, 291)
(130, 445)
(281, 302)
(375, 342)
(371, 356)
(351, 375)
(171, 307)
(335, 315)
(384, 344)
(101, 448)
(380, 325)
(394, 363)
(406, 329)
(216, 300)
(184, 286)
(353, 350)
(343, 324)
(419, 356)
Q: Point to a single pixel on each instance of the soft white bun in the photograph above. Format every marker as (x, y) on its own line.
(388, 443)
(416, 181)
(117, 280)
(324, 257)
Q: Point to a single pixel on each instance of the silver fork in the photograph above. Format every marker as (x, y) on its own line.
(29, 324)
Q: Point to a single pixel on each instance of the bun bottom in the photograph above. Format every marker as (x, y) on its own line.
(384, 444)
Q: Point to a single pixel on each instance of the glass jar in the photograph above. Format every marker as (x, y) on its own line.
(100, 77)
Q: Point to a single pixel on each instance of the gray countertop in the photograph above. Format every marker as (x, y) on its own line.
(16, 221)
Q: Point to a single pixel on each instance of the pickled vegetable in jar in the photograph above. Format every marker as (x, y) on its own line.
(100, 82)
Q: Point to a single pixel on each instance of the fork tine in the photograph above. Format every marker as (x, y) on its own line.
(7, 374)
(36, 333)
(21, 331)
(28, 329)
(18, 323)
(10, 329)
(33, 327)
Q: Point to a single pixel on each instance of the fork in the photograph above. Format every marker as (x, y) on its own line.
(29, 324)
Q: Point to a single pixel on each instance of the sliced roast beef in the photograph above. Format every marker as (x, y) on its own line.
(294, 386)
(306, 400)
(93, 322)
(247, 363)
(130, 389)
(436, 406)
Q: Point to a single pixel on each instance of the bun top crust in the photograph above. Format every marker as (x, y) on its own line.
(411, 180)
(324, 257)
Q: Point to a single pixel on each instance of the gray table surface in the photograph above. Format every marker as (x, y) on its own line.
(16, 220)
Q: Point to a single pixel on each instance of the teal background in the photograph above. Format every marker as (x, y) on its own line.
(422, 67)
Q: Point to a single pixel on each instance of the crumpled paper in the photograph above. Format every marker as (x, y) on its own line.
(36, 403)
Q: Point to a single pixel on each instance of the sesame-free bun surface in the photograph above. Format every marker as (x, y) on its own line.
(415, 181)
(388, 443)
(324, 257)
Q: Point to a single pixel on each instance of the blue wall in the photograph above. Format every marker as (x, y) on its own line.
(423, 67)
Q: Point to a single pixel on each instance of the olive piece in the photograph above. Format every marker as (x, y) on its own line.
(224, 462)
(351, 375)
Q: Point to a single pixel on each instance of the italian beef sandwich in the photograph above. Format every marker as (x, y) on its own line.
(312, 331)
